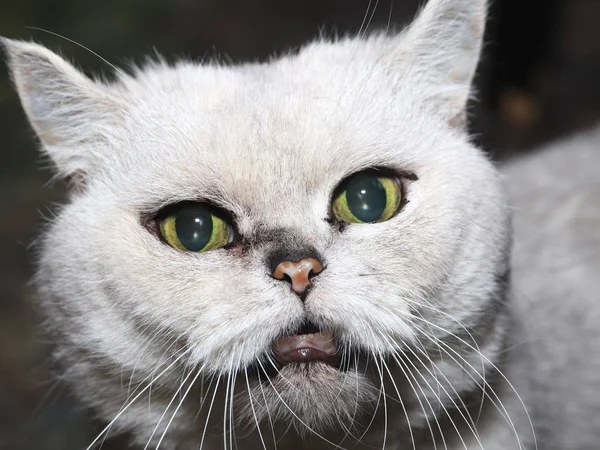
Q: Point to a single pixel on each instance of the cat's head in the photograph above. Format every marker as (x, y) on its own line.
(333, 191)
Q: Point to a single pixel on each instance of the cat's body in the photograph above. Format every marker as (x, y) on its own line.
(554, 194)
(323, 329)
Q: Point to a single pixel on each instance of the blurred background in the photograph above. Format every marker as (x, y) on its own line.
(539, 79)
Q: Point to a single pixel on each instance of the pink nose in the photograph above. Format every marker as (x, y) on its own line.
(299, 272)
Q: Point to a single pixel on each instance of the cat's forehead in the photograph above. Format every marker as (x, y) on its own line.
(262, 133)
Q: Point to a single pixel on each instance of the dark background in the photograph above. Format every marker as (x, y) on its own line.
(540, 78)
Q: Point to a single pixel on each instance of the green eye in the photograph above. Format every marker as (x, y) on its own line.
(368, 198)
(194, 228)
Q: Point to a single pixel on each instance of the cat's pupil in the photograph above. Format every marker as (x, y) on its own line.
(366, 197)
(194, 227)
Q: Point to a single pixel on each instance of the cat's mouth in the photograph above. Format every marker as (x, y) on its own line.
(308, 344)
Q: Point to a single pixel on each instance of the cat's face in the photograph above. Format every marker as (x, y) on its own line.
(270, 146)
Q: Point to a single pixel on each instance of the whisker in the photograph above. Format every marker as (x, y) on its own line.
(295, 415)
(173, 397)
(288, 382)
(456, 406)
(484, 359)
(120, 413)
(231, 416)
(178, 406)
(205, 397)
(254, 413)
(470, 423)
(483, 368)
(262, 390)
(225, 412)
(374, 415)
(500, 406)
(209, 411)
(348, 429)
(115, 68)
(385, 411)
(418, 399)
(364, 20)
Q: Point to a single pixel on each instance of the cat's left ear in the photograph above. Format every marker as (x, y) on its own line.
(442, 47)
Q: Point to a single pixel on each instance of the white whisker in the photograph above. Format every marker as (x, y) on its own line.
(385, 410)
(254, 413)
(284, 403)
(173, 397)
(178, 406)
(209, 411)
(501, 408)
(120, 413)
(418, 399)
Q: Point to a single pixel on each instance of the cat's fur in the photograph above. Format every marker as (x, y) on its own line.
(430, 299)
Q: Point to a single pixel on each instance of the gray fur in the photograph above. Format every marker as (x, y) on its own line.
(459, 343)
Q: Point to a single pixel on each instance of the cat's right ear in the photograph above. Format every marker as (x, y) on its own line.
(71, 114)
(443, 46)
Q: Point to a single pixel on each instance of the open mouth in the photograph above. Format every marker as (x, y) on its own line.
(309, 344)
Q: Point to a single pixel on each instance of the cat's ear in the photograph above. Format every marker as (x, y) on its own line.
(444, 44)
(71, 114)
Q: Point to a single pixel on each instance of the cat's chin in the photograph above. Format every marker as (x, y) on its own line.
(309, 376)
(312, 396)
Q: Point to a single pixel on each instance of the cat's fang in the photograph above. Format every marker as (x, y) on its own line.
(307, 348)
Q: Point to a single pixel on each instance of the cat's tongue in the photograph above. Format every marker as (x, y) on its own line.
(303, 348)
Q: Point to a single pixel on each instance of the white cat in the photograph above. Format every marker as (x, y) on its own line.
(309, 252)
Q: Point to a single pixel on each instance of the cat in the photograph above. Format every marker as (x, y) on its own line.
(310, 253)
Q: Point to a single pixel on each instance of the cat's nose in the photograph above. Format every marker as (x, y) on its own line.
(298, 273)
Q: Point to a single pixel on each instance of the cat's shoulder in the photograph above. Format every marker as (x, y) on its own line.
(570, 159)
(555, 200)
(554, 194)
